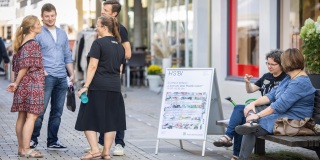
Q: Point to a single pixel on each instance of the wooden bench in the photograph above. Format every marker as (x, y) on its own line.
(308, 142)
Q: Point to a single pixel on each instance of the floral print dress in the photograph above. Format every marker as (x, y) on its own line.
(29, 96)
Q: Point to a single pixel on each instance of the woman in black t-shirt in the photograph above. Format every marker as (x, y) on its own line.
(104, 112)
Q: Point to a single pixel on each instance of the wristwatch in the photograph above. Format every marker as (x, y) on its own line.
(258, 114)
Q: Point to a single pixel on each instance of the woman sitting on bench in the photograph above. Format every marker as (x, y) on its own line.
(294, 98)
(264, 84)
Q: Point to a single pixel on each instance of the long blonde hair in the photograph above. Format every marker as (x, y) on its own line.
(22, 30)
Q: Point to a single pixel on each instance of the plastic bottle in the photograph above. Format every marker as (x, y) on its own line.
(84, 98)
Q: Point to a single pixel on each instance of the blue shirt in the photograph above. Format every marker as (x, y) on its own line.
(293, 99)
(55, 55)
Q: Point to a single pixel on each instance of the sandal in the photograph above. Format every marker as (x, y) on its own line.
(224, 141)
(248, 129)
(90, 155)
(32, 154)
(105, 156)
(234, 157)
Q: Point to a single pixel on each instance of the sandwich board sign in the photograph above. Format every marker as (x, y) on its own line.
(190, 105)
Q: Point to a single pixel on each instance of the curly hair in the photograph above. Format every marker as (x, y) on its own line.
(275, 55)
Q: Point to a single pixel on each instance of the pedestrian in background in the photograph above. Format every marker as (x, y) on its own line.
(27, 84)
(56, 58)
(105, 111)
(4, 56)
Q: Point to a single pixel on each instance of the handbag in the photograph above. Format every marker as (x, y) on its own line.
(290, 127)
(71, 99)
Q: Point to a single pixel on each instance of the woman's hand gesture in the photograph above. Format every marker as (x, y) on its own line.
(12, 87)
(249, 107)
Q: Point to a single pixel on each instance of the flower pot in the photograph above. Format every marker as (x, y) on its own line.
(154, 82)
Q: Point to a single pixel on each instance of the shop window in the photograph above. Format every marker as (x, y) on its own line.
(300, 10)
(172, 24)
(244, 37)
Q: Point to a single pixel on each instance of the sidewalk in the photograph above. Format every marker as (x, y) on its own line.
(143, 111)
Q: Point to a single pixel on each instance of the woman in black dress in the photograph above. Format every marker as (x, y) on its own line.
(104, 112)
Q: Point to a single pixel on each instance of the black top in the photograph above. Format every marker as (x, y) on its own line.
(123, 33)
(268, 81)
(111, 55)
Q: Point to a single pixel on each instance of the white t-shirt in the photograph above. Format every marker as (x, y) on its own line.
(54, 34)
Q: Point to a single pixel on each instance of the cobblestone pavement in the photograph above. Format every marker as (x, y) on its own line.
(142, 111)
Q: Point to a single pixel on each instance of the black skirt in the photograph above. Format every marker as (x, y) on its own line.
(104, 112)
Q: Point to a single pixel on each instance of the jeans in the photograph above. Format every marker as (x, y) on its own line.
(118, 139)
(55, 88)
(237, 118)
(249, 141)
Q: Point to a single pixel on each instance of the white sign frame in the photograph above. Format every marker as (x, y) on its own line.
(189, 108)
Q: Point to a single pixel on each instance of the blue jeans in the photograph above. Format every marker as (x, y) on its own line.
(55, 88)
(118, 140)
(237, 118)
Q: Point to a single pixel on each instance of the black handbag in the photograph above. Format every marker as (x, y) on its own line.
(71, 99)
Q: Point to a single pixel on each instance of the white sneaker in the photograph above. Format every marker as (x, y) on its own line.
(118, 150)
(86, 150)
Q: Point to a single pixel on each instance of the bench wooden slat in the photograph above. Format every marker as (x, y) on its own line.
(296, 141)
(223, 123)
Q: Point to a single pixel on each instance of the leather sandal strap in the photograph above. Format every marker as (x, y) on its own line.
(29, 152)
(227, 138)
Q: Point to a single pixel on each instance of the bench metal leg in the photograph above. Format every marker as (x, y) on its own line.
(260, 147)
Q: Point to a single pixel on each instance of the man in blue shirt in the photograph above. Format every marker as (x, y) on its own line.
(56, 57)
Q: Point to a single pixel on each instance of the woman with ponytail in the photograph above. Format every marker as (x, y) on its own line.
(27, 84)
(103, 87)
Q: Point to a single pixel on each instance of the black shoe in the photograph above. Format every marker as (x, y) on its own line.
(33, 144)
(251, 129)
(57, 147)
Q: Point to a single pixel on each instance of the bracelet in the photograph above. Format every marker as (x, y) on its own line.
(84, 86)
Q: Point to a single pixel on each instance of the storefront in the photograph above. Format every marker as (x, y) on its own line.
(247, 30)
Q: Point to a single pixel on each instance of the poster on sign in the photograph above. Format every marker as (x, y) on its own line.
(185, 104)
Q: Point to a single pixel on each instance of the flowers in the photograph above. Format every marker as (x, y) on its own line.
(154, 70)
(310, 34)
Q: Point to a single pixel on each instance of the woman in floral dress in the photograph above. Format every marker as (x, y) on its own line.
(27, 84)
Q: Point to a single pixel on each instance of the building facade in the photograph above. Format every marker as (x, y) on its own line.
(232, 36)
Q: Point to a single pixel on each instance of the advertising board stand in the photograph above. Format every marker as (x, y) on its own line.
(190, 105)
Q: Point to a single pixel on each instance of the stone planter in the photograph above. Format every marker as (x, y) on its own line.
(154, 82)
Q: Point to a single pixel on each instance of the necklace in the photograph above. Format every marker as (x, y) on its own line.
(296, 75)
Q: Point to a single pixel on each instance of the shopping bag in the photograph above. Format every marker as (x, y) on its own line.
(71, 99)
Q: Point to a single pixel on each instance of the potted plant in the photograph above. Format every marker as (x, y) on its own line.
(310, 34)
(153, 76)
